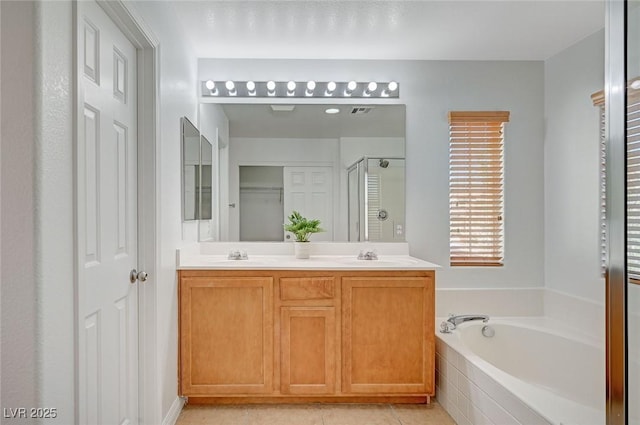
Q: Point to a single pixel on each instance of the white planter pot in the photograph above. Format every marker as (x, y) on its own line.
(302, 249)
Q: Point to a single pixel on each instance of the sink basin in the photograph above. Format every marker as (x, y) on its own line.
(381, 262)
(219, 260)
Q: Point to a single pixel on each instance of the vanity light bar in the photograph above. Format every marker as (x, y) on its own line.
(327, 89)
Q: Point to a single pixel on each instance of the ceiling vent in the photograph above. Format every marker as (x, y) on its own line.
(359, 110)
(283, 108)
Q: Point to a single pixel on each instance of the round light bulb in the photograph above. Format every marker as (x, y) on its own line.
(351, 85)
(311, 85)
(210, 85)
(251, 86)
(229, 85)
(271, 85)
(291, 85)
(393, 86)
(372, 86)
(331, 86)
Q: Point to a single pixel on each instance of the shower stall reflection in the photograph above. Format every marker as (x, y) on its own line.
(376, 199)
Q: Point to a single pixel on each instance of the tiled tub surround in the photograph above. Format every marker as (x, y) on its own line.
(523, 375)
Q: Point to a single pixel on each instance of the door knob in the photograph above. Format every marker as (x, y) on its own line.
(136, 275)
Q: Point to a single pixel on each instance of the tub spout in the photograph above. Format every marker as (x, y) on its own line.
(456, 320)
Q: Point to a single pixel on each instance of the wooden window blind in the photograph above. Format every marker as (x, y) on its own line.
(633, 181)
(476, 187)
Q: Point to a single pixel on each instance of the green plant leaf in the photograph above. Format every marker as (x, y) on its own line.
(302, 227)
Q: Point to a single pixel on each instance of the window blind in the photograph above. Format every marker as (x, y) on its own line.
(633, 181)
(476, 187)
(633, 187)
(598, 100)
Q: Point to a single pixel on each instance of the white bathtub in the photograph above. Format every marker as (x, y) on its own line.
(529, 373)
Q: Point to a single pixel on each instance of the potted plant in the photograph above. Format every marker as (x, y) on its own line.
(302, 228)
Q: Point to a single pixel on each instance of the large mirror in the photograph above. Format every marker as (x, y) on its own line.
(197, 169)
(342, 164)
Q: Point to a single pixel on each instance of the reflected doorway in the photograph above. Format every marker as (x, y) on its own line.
(261, 203)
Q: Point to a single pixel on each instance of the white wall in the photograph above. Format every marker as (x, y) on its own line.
(214, 125)
(572, 164)
(354, 148)
(18, 256)
(177, 98)
(429, 90)
(54, 207)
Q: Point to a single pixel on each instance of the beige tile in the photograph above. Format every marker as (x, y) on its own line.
(284, 415)
(359, 414)
(316, 414)
(213, 415)
(422, 414)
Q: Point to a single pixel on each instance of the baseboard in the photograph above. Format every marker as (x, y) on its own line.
(174, 412)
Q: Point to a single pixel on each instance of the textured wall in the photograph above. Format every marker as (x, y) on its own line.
(54, 208)
(18, 321)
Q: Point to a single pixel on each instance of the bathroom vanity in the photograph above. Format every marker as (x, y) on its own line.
(331, 328)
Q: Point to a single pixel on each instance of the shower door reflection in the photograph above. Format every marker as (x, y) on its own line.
(376, 199)
(633, 209)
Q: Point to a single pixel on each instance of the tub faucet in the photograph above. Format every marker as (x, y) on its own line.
(454, 320)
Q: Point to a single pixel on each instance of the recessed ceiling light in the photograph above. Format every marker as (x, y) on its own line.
(331, 110)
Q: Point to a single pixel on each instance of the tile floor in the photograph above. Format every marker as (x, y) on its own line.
(316, 414)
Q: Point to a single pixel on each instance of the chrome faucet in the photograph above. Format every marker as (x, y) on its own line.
(237, 255)
(368, 255)
(454, 320)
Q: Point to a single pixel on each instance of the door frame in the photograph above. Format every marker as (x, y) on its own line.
(616, 275)
(128, 20)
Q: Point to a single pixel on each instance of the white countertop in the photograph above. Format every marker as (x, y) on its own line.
(279, 256)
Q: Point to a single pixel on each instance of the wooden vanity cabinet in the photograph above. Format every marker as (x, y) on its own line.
(306, 335)
(387, 334)
(226, 333)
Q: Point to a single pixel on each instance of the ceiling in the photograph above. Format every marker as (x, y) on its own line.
(391, 29)
(311, 121)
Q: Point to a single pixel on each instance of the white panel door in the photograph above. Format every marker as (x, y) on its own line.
(107, 221)
(309, 190)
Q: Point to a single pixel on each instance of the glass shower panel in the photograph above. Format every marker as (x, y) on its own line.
(385, 199)
(354, 204)
(633, 136)
(376, 195)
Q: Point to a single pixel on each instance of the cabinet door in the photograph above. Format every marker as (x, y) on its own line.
(226, 335)
(387, 333)
(308, 345)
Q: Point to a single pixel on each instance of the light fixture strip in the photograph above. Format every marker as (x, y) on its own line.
(317, 89)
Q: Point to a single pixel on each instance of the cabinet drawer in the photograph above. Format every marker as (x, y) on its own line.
(307, 288)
